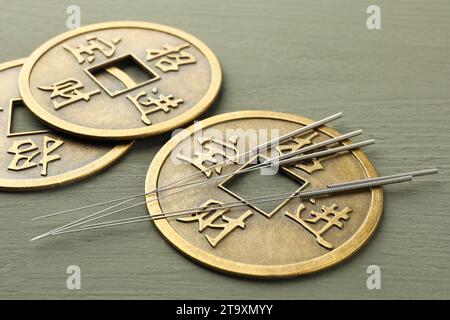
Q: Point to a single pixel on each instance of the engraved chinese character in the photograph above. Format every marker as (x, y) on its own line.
(172, 57)
(107, 48)
(330, 215)
(69, 90)
(297, 143)
(50, 145)
(209, 218)
(23, 155)
(26, 150)
(208, 156)
(148, 104)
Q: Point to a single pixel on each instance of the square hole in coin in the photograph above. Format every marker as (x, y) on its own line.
(121, 75)
(22, 122)
(253, 184)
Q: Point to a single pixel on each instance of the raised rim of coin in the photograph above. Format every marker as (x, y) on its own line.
(69, 177)
(335, 256)
(191, 114)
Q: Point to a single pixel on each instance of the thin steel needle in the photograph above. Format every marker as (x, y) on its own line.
(79, 221)
(192, 210)
(264, 146)
(349, 186)
(308, 194)
(259, 148)
(195, 183)
(304, 149)
(316, 146)
(175, 213)
(94, 216)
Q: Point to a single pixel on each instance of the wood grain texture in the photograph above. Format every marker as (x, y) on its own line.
(308, 57)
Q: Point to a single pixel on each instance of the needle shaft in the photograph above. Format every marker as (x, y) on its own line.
(95, 216)
(304, 195)
(259, 148)
(332, 189)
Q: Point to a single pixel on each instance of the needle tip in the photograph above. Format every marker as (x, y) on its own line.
(38, 237)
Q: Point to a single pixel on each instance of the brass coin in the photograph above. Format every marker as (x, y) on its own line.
(120, 80)
(291, 237)
(35, 157)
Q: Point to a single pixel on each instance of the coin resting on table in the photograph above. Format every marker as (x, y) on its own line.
(296, 236)
(36, 156)
(331, 211)
(120, 80)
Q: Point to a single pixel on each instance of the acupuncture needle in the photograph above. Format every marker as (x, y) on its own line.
(196, 183)
(268, 161)
(259, 148)
(95, 216)
(349, 186)
(175, 214)
(241, 203)
(317, 192)
(363, 181)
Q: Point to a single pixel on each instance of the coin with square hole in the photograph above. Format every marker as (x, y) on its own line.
(120, 80)
(37, 157)
(283, 238)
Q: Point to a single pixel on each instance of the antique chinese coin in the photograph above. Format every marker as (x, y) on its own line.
(284, 238)
(120, 80)
(35, 156)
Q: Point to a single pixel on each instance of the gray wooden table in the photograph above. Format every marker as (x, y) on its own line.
(308, 57)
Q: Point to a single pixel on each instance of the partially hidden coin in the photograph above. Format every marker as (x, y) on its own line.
(37, 157)
(120, 80)
(285, 238)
